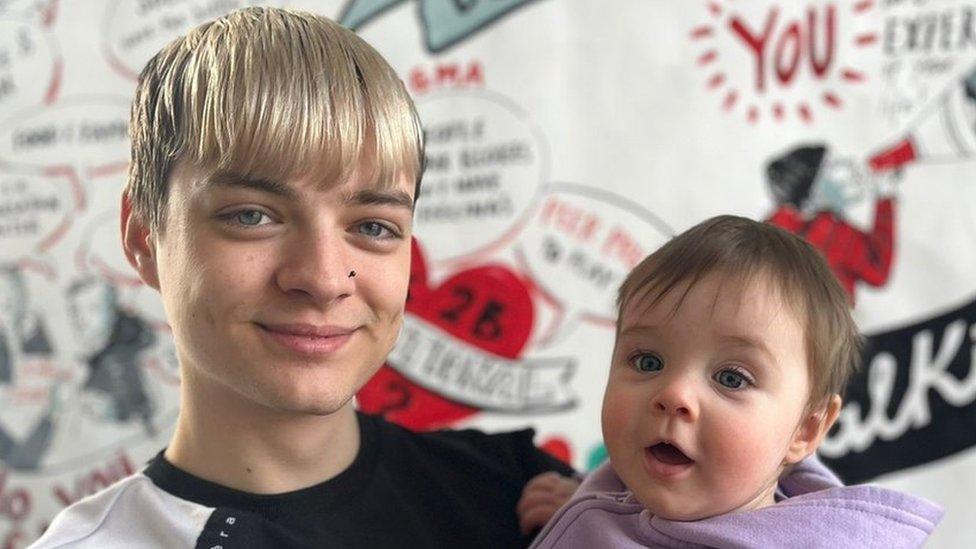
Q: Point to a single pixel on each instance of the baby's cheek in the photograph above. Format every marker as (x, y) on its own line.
(616, 419)
(751, 462)
(740, 452)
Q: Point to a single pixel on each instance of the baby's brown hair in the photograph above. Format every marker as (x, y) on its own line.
(741, 250)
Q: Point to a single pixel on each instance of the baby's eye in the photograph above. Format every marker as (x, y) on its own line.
(647, 362)
(733, 379)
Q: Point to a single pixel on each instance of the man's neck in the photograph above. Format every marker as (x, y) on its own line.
(225, 438)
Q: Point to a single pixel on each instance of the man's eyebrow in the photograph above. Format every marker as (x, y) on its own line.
(230, 179)
(374, 197)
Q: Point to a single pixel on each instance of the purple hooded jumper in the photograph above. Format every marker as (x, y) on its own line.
(813, 510)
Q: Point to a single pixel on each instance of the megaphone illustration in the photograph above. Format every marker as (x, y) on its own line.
(945, 131)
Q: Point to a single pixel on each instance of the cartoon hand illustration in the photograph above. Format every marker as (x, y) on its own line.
(840, 183)
(886, 183)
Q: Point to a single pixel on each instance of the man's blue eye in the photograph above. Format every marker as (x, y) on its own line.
(732, 379)
(375, 229)
(646, 362)
(250, 218)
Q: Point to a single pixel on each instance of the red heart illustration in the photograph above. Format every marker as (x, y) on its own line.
(488, 307)
(559, 448)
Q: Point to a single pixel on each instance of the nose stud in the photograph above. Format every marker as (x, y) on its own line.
(352, 274)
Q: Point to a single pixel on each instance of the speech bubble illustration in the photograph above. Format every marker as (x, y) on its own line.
(30, 68)
(357, 13)
(100, 254)
(580, 245)
(90, 134)
(35, 213)
(44, 10)
(446, 22)
(134, 30)
(485, 166)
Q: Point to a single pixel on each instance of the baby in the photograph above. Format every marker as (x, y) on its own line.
(734, 343)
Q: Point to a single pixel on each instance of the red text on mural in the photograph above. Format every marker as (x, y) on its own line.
(780, 49)
(446, 75)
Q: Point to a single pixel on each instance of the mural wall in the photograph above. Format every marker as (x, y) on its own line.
(567, 139)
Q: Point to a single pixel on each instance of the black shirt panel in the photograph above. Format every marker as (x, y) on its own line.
(404, 489)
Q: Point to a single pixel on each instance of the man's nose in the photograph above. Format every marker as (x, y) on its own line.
(677, 397)
(317, 265)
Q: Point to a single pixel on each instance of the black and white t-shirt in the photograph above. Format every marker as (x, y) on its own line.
(437, 489)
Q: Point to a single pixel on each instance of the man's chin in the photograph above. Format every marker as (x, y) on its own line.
(319, 409)
(306, 404)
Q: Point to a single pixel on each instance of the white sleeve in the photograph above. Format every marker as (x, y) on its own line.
(132, 513)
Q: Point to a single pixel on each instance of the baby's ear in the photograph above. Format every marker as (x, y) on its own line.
(812, 429)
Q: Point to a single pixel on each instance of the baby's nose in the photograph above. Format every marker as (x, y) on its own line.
(677, 399)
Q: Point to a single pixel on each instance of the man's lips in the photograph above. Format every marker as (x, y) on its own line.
(666, 459)
(308, 330)
(314, 340)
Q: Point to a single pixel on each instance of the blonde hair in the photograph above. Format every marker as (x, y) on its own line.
(269, 93)
(741, 249)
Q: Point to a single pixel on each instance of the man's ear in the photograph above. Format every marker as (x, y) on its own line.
(137, 241)
(812, 429)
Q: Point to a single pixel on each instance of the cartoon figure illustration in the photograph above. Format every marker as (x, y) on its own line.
(945, 131)
(111, 342)
(23, 335)
(21, 330)
(26, 453)
(812, 191)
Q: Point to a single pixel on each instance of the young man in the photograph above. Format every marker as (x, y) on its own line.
(276, 158)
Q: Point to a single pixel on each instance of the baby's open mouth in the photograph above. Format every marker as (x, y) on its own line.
(671, 455)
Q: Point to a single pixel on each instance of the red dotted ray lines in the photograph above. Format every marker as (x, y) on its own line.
(717, 80)
(48, 18)
(710, 56)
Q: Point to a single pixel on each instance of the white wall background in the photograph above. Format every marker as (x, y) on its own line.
(594, 128)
